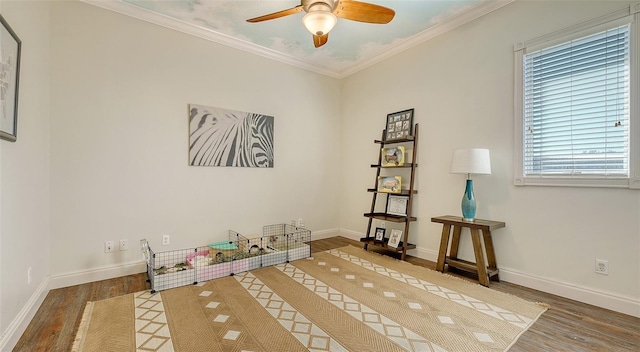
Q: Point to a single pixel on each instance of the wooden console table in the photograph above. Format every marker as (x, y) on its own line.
(485, 272)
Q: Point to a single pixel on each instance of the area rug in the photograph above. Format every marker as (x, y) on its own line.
(344, 299)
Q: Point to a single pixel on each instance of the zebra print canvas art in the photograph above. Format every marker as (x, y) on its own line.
(221, 137)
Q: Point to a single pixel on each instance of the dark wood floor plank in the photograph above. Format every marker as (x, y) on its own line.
(567, 325)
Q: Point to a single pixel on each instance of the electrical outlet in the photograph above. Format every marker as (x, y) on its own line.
(165, 240)
(300, 223)
(108, 246)
(124, 245)
(29, 276)
(602, 266)
(383, 224)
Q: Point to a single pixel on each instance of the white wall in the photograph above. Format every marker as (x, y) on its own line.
(119, 140)
(102, 151)
(24, 177)
(461, 86)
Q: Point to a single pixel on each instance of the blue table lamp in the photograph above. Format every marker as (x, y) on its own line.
(470, 161)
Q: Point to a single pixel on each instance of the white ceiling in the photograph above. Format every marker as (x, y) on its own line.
(352, 46)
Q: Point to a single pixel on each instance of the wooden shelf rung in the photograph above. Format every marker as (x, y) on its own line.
(468, 266)
(372, 241)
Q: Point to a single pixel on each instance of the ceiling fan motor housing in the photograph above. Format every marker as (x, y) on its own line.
(319, 5)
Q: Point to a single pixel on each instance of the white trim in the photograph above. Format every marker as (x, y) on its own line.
(634, 118)
(603, 299)
(319, 235)
(619, 17)
(425, 253)
(112, 271)
(18, 325)
(419, 252)
(96, 274)
(352, 235)
(479, 10)
(139, 13)
(574, 181)
(608, 300)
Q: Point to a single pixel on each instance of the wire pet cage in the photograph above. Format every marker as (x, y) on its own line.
(278, 244)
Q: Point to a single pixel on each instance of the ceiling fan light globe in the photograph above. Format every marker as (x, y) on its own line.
(320, 22)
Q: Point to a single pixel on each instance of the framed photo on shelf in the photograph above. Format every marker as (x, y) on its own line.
(389, 184)
(392, 156)
(397, 205)
(10, 46)
(394, 239)
(380, 234)
(399, 125)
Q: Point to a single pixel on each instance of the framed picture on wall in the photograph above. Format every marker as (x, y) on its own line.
(399, 125)
(10, 46)
(397, 205)
(394, 239)
(390, 184)
(392, 156)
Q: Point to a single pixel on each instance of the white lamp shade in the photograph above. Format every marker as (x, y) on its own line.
(471, 161)
(320, 20)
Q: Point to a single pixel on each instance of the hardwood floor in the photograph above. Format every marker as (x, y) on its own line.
(567, 326)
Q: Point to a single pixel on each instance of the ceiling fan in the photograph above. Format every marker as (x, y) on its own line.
(322, 15)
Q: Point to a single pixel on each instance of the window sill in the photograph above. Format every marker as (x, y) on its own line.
(574, 181)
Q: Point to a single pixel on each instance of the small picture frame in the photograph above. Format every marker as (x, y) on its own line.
(390, 184)
(380, 234)
(394, 239)
(397, 205)
(10, 46)
(399, 125)
(392, 156)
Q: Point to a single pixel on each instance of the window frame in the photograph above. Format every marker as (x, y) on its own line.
(629, 14)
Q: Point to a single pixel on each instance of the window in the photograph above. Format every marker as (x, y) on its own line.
(576, 123)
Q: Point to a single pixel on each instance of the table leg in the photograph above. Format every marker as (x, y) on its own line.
(483, 276)
(455, 241)
(491, 254)
(444, 243)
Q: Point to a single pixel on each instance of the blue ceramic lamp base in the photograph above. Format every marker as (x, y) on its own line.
(468, 203)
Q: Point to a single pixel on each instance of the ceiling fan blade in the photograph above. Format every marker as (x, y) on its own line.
(320, 40)
(364, 12)
(278, 14)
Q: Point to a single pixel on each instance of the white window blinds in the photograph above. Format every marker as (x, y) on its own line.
(576, 107)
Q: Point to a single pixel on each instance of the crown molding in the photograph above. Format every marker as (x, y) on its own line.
(483, 8)
(469, 15)
(139, 13)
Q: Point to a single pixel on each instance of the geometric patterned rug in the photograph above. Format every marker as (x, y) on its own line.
(344, 299)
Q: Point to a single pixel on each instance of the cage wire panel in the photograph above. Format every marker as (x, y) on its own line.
(279, 243)
(214, 261)
(298, 244)
(249, 253)
(170, 269)
(274, 242)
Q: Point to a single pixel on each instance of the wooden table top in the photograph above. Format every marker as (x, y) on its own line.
(477, 223)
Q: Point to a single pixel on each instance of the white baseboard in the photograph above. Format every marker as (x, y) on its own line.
(419, 252)
(607, 300)
(109, 272)
(322, 234)
(352, 235)
(97, 274)
(18, 325)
